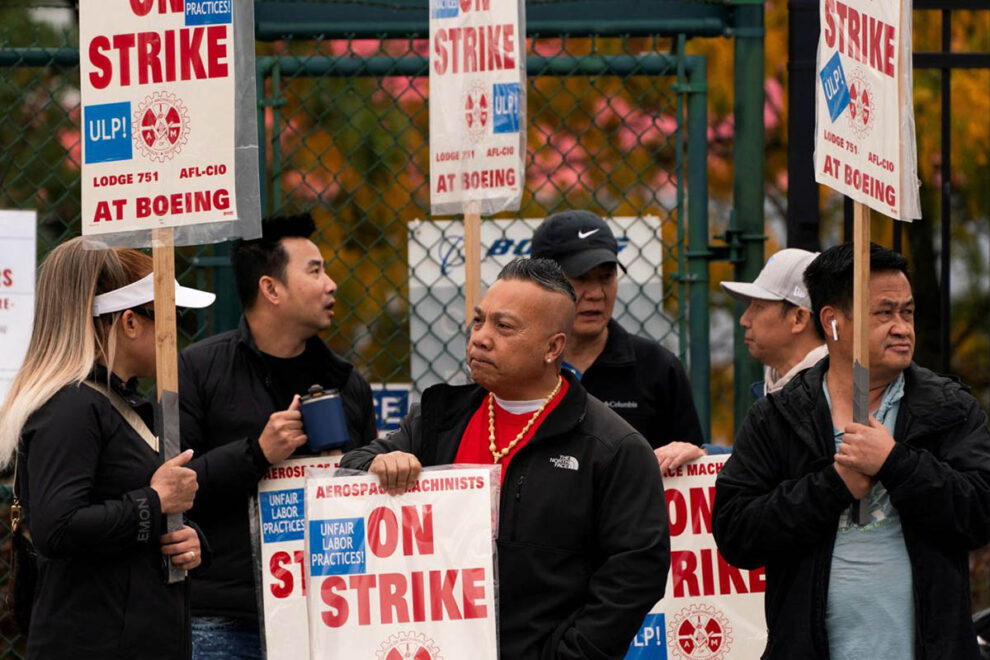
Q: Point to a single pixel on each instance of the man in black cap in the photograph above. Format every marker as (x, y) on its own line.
(634, 376)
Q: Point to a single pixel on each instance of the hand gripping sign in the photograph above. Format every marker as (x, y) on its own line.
(278, 531)
(711, 610)
(408, 576)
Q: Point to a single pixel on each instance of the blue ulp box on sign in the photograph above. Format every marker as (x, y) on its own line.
(650, 643)
(336, 547)
(444, 8)
(283, 515)
(506, 107)
(835, 87)
(107, 129)
(208, 12)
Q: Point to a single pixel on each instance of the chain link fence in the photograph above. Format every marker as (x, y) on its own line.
(344, 123)
(353, 150)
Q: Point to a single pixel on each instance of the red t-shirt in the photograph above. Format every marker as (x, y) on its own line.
(474, 443)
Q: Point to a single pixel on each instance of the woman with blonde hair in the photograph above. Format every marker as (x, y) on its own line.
(92, 488)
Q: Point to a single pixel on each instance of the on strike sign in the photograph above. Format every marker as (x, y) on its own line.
(477, 105)
(281, 520)
(711, 610)
(864, 117)
(407, 576)
(157, 82)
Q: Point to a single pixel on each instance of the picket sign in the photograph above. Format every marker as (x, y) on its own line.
(865, 142)
(710, 610)
(280, 520)
(158, 90)
(477, 117)
(402, 576)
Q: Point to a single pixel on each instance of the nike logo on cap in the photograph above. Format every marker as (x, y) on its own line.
(586, 234)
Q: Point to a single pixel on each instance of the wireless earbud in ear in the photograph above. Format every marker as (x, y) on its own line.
(835, 332)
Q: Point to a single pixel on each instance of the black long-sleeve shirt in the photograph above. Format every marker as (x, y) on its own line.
(84, 477)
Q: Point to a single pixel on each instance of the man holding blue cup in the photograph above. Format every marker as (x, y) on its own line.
(242, 411)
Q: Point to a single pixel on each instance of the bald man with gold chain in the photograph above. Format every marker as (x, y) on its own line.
(583, 543)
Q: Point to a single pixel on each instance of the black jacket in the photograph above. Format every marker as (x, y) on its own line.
(778, 501)
(225, 397)
(84, 476)
(583, 553)
(646, 385)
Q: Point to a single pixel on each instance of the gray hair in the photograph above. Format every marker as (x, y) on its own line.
(545, 273)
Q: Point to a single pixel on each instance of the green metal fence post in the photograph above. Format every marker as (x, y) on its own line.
(697, 249)
(748, 168)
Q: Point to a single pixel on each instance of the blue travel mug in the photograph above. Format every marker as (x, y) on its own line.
(323, 419)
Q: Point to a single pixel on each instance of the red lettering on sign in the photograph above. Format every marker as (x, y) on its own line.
(336, 617)
(870, 40)
(391, 589)
(417, 529)
(154, 56)
(684, 565)
(383, 542)
(277, 567)
(143, 7)
(464, 49)
(399, 595)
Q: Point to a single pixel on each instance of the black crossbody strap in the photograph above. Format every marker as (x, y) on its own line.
(129, 414)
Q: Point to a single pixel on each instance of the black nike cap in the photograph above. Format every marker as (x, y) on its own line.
(577, 240)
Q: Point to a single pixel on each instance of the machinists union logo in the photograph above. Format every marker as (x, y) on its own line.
(477, 111)
(699, 632)
(862, 112)
(408, 646)
(161, 126)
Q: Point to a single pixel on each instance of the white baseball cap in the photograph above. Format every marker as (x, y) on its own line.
(143, 291)
(782, 278)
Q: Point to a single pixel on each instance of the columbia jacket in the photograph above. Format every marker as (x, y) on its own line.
(778, 501)
(583, 544)
(225, 399)
(646, 385)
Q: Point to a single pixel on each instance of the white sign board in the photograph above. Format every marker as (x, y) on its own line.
(18, 231)
(408, 576)
(864, 116)
(477, 105)
(157, 84)
(281, 520)
(436, 264)
(711, 609)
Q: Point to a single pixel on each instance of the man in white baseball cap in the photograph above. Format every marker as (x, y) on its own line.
(780, 332)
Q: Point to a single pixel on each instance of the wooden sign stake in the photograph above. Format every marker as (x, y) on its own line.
(163, 255)
(472, 262)
(861, 333)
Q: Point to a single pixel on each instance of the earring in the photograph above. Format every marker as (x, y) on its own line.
(835, 332)
(548, 360)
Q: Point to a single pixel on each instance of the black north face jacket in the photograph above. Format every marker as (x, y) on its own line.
(778, 501)
(583, 553)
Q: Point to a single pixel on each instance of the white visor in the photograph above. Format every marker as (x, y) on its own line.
(143, 291)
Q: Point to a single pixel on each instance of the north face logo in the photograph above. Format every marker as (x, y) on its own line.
(565, 462)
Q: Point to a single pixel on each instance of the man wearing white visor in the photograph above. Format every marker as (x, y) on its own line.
(780, 332)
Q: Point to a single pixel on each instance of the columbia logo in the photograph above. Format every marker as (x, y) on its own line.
(565, 462)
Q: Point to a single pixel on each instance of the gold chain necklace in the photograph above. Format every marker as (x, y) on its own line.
(498, 454)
